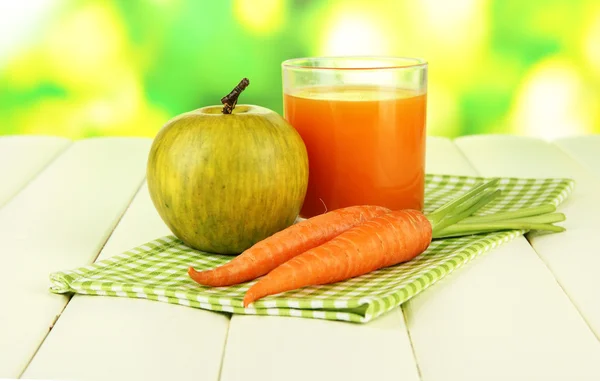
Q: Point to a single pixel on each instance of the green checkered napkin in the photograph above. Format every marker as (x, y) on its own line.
(157, 270)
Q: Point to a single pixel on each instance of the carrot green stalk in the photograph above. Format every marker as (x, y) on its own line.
(534, 218)
(462, 203)
(487, 225)
(540, 219)
(462, 210)
(543, 219)
(502, 216)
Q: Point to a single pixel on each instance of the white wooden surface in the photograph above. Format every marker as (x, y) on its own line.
(136, 339)
(59, 220)
(23, 157)
(271, 348)
(521, 312)
(573, 256)
(497, 318)
(584, 150)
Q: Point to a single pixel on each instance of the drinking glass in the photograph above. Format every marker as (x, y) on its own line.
(363, 122)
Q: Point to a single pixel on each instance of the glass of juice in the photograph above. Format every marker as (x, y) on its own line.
(363, 122)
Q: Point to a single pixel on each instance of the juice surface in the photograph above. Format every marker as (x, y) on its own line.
(366, 145)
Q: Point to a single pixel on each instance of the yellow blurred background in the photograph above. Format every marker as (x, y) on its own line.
(94, 68)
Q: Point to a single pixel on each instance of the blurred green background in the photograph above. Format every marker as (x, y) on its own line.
(92, 68)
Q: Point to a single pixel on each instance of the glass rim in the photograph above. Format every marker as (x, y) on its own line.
(396, 62)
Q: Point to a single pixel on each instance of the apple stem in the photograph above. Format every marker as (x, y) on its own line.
(230, 100)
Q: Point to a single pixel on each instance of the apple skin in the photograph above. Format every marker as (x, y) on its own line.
(222, 182)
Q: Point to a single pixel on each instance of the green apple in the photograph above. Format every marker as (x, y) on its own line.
(224, 181)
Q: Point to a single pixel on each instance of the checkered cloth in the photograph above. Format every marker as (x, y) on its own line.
(157, 270)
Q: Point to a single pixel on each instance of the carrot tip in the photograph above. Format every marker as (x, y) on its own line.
(192, 273)
(248, 299)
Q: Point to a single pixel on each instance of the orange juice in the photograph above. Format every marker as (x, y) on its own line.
(366, 145)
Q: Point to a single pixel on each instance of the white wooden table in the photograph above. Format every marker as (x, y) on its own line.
(528, 310)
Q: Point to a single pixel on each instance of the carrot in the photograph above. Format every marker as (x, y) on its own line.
(383, 241)
(393, 238)
(269, 253)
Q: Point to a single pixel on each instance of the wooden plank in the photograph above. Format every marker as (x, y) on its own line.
(140, 339)
(583, 149)
(501, 317)
(59, 221)
(285, 348)
(573, 255)
(22, 158)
